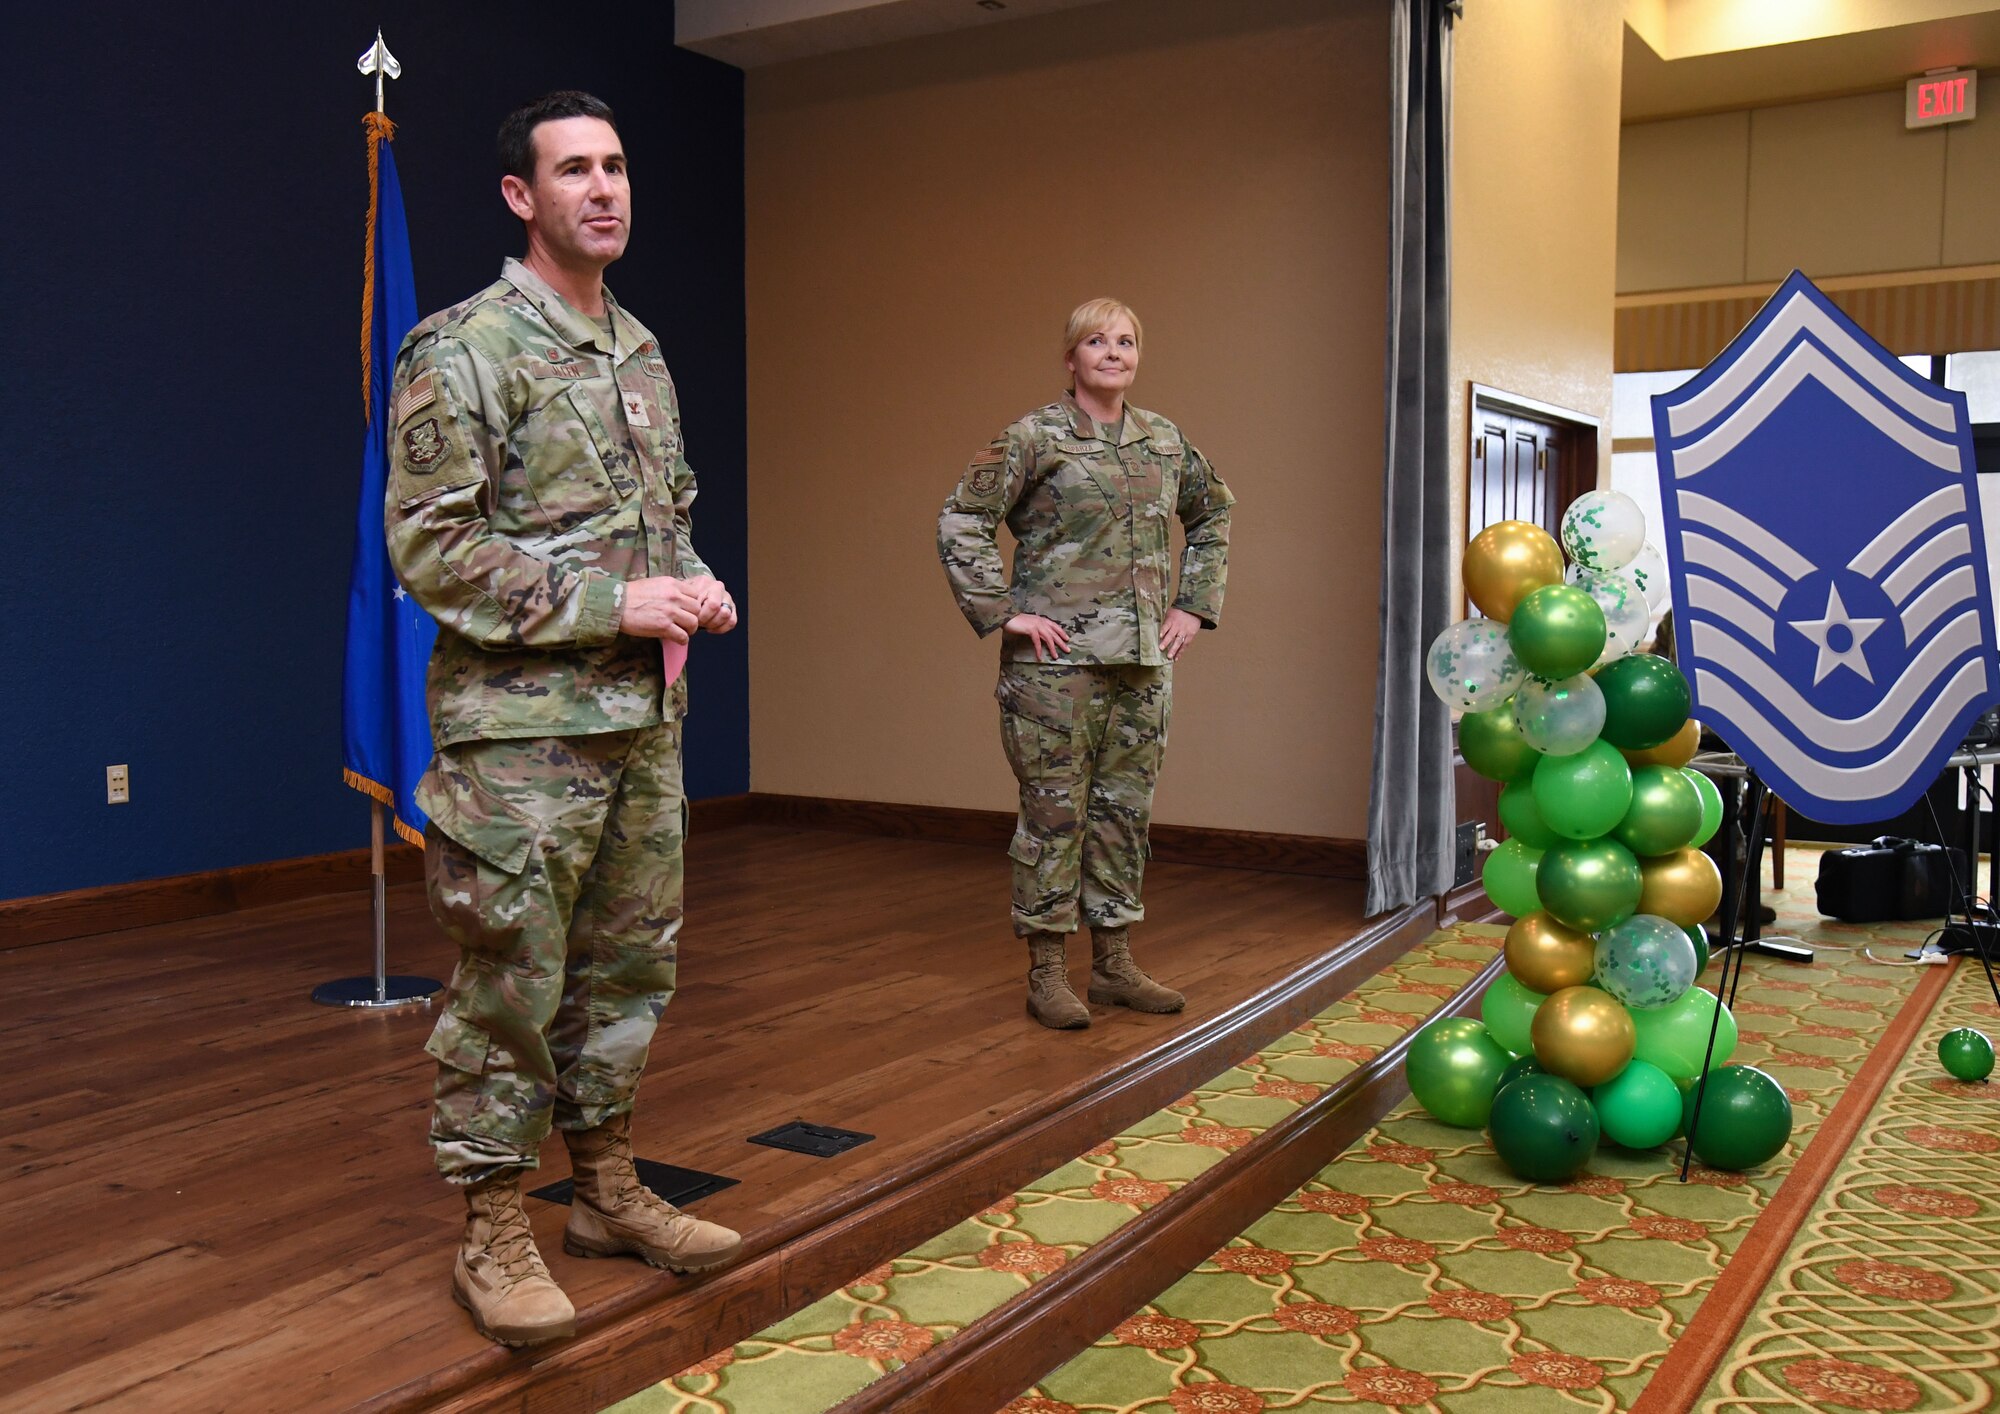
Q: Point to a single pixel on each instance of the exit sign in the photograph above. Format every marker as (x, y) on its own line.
(1941, 98)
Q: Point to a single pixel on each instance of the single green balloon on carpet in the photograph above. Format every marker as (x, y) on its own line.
(1646, 700)
(1543, 1128)
(1522, 817)
(1698, 935)
(1640, 1108)
(1509, 875)
(1557, 631)
(1508, 1009)
(1746, 1117)
(1665, 812)
(1492, 744)
(1583, 795)
(1675, 1038)
(1589, 884)
(1454, 1067)
(1711, 806)
(1966, 1054)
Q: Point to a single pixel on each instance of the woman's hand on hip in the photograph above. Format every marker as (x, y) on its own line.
(1177, 633)
(1051, 640)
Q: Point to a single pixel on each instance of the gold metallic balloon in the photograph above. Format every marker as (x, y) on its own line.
(1676, 750)
(1684, 886)
(1508, 561)
(1546, 956)
(1584, 1035)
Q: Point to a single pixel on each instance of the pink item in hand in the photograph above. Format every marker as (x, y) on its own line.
(675, 656)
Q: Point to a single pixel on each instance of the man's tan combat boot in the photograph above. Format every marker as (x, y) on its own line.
(612, 1213)
(1115, 980)
(1050, 1000)
(499, 1277)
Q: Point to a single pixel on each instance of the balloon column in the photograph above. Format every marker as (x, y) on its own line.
(1597, 1027)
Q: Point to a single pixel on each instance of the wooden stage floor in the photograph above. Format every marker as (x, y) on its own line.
(218, 1195)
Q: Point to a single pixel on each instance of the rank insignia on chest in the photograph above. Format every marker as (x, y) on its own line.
(424, 443)
(635, 408)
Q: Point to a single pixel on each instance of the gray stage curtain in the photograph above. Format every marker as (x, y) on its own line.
(1410, 806)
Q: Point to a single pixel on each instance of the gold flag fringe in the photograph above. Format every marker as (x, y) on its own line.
(380, 130)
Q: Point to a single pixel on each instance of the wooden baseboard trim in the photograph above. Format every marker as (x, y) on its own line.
(649, 1333)
(998, 1356)
(1325, 856)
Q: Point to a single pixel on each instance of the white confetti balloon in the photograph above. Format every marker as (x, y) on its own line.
(1472, 666)
(1649, 571)
(1559, 718)
(1645, 962)
(1626, 617)
(1603, 530)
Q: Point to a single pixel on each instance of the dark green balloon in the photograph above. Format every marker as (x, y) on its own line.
(1711, 807)
(1492, 744)
(1509, 876)
(1588, 884)
(1645, 700)
(1745, 1118)
(1583, 795)
(1665, 811)
(1454, 1067)
(1543, 1128)
(1557, 632)
(1966, 1053)
(1518, 1069)
(1522, 818)
(1699, 936)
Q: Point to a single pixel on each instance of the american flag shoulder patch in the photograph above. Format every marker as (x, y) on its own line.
(420, 393)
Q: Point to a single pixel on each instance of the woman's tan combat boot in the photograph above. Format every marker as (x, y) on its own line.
(1050, 1000)
(1115, 980)
(611, 1213)
(499, 1277)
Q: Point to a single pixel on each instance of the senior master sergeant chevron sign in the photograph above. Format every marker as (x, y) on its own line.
(1829, 569)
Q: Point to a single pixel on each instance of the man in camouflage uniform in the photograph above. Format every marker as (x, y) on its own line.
(1086, 677)
(538, 508)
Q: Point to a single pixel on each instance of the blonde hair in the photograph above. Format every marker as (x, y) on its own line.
(1092, 315)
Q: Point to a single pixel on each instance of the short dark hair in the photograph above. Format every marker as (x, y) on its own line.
(517, 132)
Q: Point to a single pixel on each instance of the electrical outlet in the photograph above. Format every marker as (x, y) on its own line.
(1465, 866)
(117, 785)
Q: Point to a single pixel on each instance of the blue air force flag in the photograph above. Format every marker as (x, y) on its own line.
(1832, 609)
(386, 732)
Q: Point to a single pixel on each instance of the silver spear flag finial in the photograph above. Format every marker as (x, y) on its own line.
(377, 60)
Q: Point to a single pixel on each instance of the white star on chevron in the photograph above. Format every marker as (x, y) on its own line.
(400, 593)
(1821, 632)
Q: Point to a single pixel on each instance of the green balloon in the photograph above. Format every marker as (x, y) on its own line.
(1646, 700)
(1522, 817)
(1640, 1107)
(1589, 884)
(1508, 1009)
(1492, 744)
(1518, 1068)
(1745, 1118)
(1675, 1038)
(1711, 807)
(1557, 632)
(1543, 1129)
(1665, 812)
(1453, 1068)
(1966, 1053)
(1509, 876)
(1582, 796)
(1699, 937)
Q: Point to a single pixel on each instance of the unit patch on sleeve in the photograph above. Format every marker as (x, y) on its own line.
(423, 445)
(986, 470)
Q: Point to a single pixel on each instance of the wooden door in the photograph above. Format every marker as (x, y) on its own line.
(1519, 470)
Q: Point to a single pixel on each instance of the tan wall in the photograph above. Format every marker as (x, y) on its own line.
(1836, 187)
(1534, 208)
(921, 218)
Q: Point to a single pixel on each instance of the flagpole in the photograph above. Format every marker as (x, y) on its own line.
(380, 991)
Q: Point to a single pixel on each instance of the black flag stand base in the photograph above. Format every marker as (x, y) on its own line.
(379, 992)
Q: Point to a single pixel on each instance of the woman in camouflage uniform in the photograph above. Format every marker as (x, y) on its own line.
(1087, 486)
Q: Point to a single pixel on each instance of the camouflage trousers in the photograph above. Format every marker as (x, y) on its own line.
(1085, 743)
(555, 865)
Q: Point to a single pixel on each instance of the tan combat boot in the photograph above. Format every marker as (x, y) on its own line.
(1115, 980)
(499, 1277)
(1050, 1000)
(612, 1212)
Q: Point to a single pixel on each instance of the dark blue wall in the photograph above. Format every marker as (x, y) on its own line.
(182, 423)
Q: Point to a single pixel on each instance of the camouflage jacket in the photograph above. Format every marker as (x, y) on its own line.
(532, 472)
(1088, 507)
